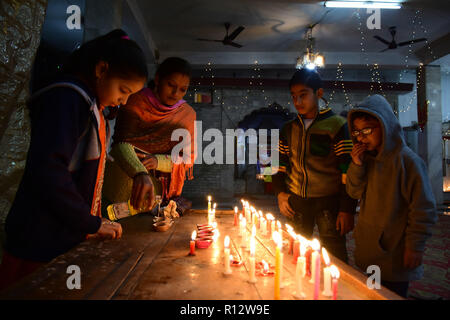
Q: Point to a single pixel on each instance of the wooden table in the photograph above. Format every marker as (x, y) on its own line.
(145, 264)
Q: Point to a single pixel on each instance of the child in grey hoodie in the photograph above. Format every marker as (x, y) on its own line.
(397, 208)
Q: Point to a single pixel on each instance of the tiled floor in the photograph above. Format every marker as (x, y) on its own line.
(436, 281)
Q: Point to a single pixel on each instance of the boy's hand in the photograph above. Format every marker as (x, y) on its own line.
(412, 259)
(284, 206)
(358, 153)
(345, 222)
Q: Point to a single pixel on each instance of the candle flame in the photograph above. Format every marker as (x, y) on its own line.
(334, 271)
(288, 227)
(244, 222)
(265, 266)
(242, 200)
(277, 239)
(194, 235)
(209, 198)
(240, 216)
(235, 209)
(315, 245)
(270, 216)
(325, 256)
(214, 206)
(227, 241)
(260, 214)
(253, 231)
(252, 208)
(252, 246)
(214, 224)
(216, 234)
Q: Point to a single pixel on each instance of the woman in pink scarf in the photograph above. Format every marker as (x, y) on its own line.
(142, 143)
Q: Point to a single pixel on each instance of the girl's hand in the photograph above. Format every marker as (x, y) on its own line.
(150, 162)
(142, 193)
(108, 230)
(358, 153)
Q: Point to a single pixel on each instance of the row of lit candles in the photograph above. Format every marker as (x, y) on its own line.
(297, 246)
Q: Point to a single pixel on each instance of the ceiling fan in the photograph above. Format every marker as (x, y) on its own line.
(228, 39)
(393, 44)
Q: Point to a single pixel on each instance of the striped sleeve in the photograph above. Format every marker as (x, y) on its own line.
(283, 151)
(279, 179)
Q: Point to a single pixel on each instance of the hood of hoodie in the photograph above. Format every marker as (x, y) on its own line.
(377, 106)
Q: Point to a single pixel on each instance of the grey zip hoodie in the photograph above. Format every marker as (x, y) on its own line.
(397, 208)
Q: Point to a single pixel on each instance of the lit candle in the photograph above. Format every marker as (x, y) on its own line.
(244, 233)
(240, 224)
(292, 237)
(252, 278)
(277, 239)
(272, 226)
(296, 248)
(316, 268)
(260, 215)
(279, 227)
(226, 255)
(192, 244)
(252, 213)
(315, 245)
(254, 218)
(303, 244)
(263, 224)
(326, 274)
(300, 270)
(216, 232)
(308, 258)
(209, 204)
(269, 224)
(335, 275)
(281, 260)
(214, 213)
(265, 266)
(235, 216)
(299, 294)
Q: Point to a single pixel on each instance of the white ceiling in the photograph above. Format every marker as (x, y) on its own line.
(274, 30)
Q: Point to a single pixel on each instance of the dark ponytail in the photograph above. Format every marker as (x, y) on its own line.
(124, 57)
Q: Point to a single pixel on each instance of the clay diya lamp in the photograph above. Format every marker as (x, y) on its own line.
(203, 243)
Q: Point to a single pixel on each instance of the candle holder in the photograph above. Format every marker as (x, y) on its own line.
(203, 243)
(264, 273)
(236, 262)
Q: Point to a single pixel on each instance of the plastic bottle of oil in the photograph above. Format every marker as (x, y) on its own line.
(117, 211)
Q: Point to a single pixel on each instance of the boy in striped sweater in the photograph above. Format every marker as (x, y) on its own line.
(314, 154)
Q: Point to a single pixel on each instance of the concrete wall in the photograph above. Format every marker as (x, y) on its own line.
(20, 28)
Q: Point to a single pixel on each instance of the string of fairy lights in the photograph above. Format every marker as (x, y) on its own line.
(256, 85)
(413, 97)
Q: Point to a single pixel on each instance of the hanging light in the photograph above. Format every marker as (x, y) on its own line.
(310, 60)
